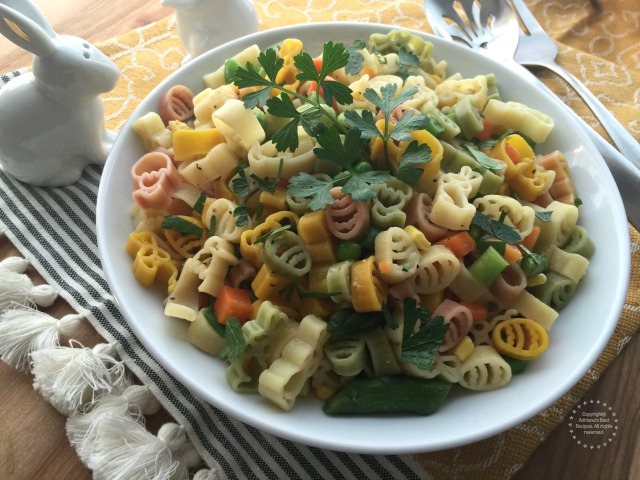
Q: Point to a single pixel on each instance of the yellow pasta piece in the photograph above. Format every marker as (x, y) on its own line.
(191, 144)
(315, 306)
(151, 262)
(267, 285)
(313, 227)
(430, 301)
(274, 202)
(418, 238)
(249, 249)
(367, 291)
(322, 252)
(186, 245)
(463, 349)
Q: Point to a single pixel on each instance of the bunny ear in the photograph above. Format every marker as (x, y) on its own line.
(24, 32)
(29, 10)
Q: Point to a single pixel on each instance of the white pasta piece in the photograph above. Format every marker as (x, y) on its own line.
(564, 218)
(468, 179)
(212, 262)
(517, 116)
(451, 207)
(437, 268)
(183, 302)
(376, 83)
(264, 160)
(239, 125)
(152, 131)
(455, 88)
(226, 225)
(380, 64)
(219, 161)
(424, 97)
(484, 370)
(395, 249)
(531, 307)
(209, 100)
(521, 217)
(286, 377)
(187, 193)
(146, 219)
(571, 265)
(248, 55)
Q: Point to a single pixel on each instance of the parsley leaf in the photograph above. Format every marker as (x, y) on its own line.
(485, 160)
(414, 157)
(199, 205)
(304, 185)
(243, 216)
(496, 228)
(364, 122)
(420, 348)
(181, 225)
(347, 322)
(406, 61)
(544, 216)
(273, 233)
(286, 138)
(210, 316)
(354, 65)
(212, 226)
(409, 122)
(332, 149)
(359, 185)
(235, 342)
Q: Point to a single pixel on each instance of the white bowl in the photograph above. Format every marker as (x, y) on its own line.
(576, 340)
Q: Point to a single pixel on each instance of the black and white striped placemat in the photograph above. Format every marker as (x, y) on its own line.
(54, 228)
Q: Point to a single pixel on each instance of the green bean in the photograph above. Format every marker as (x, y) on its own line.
(517, 365)
(487, 267)
(388, 395)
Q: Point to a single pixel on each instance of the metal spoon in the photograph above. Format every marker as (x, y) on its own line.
(491, 26)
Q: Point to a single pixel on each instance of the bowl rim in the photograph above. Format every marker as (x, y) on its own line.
(292, 31)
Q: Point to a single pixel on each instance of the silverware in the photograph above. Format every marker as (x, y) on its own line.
(462, 24)
(537, 48)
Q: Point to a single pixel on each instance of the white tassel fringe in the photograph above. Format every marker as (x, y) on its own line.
(26, 330)
(71, 378)
(14, 264)
(207, 475)
(83, 429)
(17, 288)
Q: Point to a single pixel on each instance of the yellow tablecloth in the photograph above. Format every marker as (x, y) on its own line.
(601, 48)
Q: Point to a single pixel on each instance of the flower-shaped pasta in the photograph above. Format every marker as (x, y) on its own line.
(226, 225)
(176, 104)
(155, 178)
(519, 117)
(251, 250)
(451, 208)
(265, 159)
(454, 88)
(389, 202)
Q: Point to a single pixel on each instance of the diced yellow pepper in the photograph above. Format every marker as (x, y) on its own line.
(274, 202)
(267, 285)
(322, 252)
(190, 144)
(313, 227)
(463, 349)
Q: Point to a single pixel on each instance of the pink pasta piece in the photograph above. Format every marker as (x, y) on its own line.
(241, 272)
(562, 188)
(176, 104)
(418, 212)
(155, 179)
(509, 284)
(346, 218)
(459, 319)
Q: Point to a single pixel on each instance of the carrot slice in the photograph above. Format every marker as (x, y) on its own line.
(530, 240)
(460, 243)
(233, 302)
(479, 312)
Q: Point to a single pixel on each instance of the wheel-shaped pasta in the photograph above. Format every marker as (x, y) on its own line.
(556, 292)
(459, 319)
(484, 370)
(339, 280)
(419, 214)
(480, 332)
(176, 104)
(437, 268)
(509, 284)
(388, 204)
(346, 218)
(396, 255)
(521, 217)
(286, 254)
(520, 338)
(265, 159)
(225, 223)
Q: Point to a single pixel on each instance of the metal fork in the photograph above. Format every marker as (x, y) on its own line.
(537, 48)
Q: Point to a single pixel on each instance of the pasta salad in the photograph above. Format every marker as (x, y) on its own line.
(361, 224)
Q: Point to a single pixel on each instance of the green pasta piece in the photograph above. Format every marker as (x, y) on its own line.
(393, 41)
(492, 88)
(286, 254)
(487, 267)
(454, 159)
(381, 354)
(241, 380)
(556, 292)
(388, 395)
(202, 334)
(468, 118)
(580, 242)
(347, 356)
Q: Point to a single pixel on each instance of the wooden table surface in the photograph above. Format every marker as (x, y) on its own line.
(33, 444)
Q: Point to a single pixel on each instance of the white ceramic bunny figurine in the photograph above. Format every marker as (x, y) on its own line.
(52, 122)
(205, 24)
